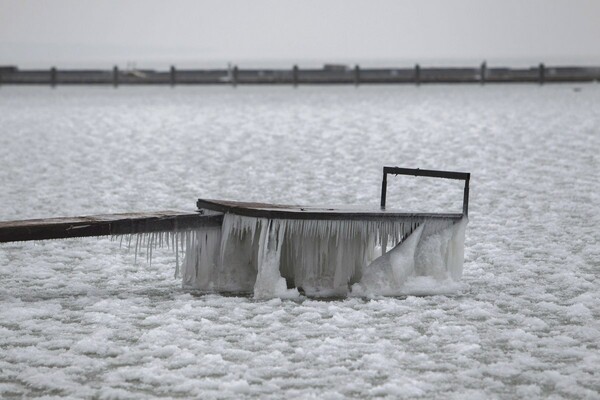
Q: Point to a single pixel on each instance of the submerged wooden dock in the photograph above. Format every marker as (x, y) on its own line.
(104, 225)
(210, 213)
(270, 249)
(278, 250)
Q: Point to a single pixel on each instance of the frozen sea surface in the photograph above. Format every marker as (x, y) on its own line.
(79, 318)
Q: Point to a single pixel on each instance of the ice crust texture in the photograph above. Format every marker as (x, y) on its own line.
(79, 319)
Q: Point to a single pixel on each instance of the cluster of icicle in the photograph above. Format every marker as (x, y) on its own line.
(274, 257)
(177, 241)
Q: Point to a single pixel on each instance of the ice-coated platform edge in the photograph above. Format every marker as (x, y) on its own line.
(280, 211)
(104, 225)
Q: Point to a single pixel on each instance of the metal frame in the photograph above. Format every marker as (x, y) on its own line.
(462, 176)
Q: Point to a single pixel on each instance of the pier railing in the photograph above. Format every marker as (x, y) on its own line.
(463, 176)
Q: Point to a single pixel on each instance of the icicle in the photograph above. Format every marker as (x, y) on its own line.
(176, 247)
(269, 282)
(324, 257)
(150, 248)
(137, 241)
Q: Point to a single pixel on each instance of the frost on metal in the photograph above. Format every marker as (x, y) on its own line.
(267, 257)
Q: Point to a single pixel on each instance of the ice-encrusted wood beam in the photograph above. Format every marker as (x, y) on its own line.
(106, 224)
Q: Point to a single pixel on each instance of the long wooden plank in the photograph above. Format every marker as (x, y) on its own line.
(102, 225)
(278, 211)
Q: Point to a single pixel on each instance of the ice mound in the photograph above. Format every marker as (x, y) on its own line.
(441, 254)
(429, 261)
(389, 272)
(267, 257)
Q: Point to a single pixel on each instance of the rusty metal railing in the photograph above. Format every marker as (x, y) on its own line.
(463, 176)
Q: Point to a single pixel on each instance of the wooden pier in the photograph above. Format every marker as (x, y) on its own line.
(103, 225)
(329, 74)
(210, 214)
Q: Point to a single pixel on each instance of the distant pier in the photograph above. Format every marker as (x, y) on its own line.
(329, 74)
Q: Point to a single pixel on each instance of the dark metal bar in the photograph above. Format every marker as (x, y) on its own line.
(383, 189)
(356, 75)
(466, 198)
(102, 225)
(426, 172)
(463, 176)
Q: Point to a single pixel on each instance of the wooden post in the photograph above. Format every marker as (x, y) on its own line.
(417, 74)
(173, 75)
(295, 75)
(234, 76)
(356, 75)
(483, 73)
(542, 73)
(115, 76)
(53, 76)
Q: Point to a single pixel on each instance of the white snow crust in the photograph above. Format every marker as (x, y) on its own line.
(82, 318)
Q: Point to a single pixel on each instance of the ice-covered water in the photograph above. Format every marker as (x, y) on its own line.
(78, 318)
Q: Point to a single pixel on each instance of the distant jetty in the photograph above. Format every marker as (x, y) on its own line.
(328, 74)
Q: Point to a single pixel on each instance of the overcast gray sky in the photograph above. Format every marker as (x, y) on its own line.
(71, 33)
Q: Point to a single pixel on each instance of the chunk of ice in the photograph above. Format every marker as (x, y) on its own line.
(389, 272)
(430, 260)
